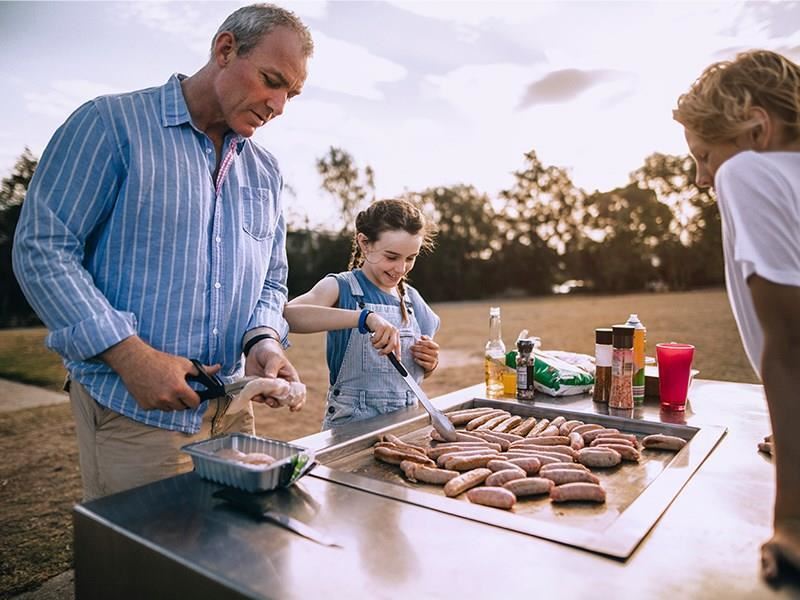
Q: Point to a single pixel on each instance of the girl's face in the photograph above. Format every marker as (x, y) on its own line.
(709, 157)
(390, 257)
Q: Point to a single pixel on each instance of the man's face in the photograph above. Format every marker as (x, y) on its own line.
(254, 88)
(709, 157)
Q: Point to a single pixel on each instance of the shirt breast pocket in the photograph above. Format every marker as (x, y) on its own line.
(258, 213)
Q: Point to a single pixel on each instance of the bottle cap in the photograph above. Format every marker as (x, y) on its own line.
(622, 336)
(525, 346)
(603, 335)
(494, 311)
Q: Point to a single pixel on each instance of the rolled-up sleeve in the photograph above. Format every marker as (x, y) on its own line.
(70, 196)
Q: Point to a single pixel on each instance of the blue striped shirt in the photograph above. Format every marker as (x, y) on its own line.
(125, 231)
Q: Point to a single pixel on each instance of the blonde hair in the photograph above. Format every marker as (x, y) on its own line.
(391, 215)
(717, 106)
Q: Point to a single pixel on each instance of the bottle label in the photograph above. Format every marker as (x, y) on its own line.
(603, 355)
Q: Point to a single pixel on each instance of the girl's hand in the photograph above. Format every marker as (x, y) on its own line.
(426, 354)
(385, 336)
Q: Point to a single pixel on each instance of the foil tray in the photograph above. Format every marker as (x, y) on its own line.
(637, 494)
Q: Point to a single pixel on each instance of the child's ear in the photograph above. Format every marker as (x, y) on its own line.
(761, 134)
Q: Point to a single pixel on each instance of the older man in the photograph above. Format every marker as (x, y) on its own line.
(152, 233)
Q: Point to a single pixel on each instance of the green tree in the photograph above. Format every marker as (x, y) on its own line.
(342, 178)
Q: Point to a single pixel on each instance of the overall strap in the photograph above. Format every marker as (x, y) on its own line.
(355, 287)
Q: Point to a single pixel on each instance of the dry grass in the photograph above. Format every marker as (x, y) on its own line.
(37, 489)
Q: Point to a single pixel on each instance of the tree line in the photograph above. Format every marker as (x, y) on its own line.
(657, 232)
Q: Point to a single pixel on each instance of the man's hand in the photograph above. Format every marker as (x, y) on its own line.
(426, 354)
(385, 336)
(267, 359)
(156, 380)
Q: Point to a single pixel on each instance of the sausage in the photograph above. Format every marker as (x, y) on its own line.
(530, 465)
(539, 427)
(529, 444)
(576, 440)
(496, 497)
(530, 486)
(628, 453)
(390, 446)
(551, 440)
(589, 436)
(501, 477)
(495, 439)
(587, 427)
(393, 439)
(567, 427)
(660, 441)
(524, 428)
(460, 437)
(544, 458)
(465, 481)
(605, 441)
(562, 466)
(509, 437)
(550, 430)
(558, 421)
(467, 463)
(599, 457)
(417, 472)
(442, 460)
(394, 456)
(480, 420)
(621, 436)
(493, 422)
(502, 465)
(587, 492)
(437, 451)
(563, 476)
(462, 417)
(509, 423)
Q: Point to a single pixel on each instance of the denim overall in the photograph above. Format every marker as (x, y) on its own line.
(367, 384)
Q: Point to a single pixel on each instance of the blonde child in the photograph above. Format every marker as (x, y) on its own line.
(369, 311)
(742, 125)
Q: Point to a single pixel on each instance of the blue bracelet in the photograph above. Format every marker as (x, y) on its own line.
(362, 321)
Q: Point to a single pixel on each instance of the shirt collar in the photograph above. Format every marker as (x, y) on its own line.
(174, 110)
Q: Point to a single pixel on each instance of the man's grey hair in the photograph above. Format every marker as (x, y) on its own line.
(251, 23)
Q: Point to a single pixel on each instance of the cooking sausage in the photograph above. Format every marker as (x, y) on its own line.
(501, 477)
(461, 447)
(502, 465)
(461, 436)
(560, 466)
(394, 456)
(467, 463)
(509, 437)
(567, 427)
(490, 437)
(548, 431)
(589, 436)
(442, 460)
(393, 439)
(417, 472)
(558, 421)
(605, 441)
(530, 465)
(599, 457)
(524, 428)
(480, 420)
(462, 417)
(494, 421)
(622, 436)
(530, 486)
(509, 423)
(551, 440)
(587, 427)
(588, 492)
(628, 453)
(529, 444)
(400, 448)
(539, 427)
(660, 441)
(562, 476)
(576, 440)
(465, 481)
(496, 497)
(544, 457)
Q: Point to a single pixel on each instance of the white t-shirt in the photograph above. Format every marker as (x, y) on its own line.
(759, 201)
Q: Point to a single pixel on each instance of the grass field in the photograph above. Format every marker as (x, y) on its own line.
(39, 480)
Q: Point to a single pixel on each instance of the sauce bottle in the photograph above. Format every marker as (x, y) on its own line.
(639, 343)
(494, 358)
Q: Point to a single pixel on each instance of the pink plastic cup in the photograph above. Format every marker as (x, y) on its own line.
(674, 369)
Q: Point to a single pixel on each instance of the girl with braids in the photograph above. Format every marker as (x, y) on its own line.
(373, 298)
(742, 125)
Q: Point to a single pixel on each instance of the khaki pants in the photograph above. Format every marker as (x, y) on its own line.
(118, 453)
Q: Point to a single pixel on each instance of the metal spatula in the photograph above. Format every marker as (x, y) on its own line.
(440, 422)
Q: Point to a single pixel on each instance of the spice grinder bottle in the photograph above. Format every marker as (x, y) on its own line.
(621, 367)
(602, 361)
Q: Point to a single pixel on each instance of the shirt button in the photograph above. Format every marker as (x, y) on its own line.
(215, 331)
(218, 285)
(208, 150)
(218, 239)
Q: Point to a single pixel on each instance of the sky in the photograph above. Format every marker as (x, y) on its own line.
(426, 93)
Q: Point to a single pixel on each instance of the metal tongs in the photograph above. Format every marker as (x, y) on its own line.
(440, 422)
(215, 387)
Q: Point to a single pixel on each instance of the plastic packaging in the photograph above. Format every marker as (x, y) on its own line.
(557, 377)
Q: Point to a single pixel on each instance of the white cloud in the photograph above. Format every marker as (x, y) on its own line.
(64, 96)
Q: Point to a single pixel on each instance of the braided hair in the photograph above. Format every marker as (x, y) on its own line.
(391, 215)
